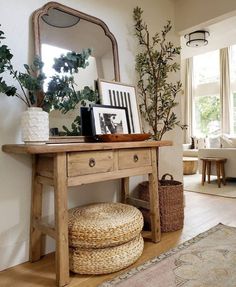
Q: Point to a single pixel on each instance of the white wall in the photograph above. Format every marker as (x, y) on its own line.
(15, 170)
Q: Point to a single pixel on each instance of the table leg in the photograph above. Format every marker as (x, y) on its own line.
(209, 171)
(124, 189)
(222, 166)
(218, 173)
(36, 214)
(203, 171)
(154, 199)
(61, 219)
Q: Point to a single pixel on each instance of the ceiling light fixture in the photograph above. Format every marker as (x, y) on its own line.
(60, 19)
(197, 38)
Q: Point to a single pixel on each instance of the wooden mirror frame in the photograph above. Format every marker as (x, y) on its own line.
(44, 10)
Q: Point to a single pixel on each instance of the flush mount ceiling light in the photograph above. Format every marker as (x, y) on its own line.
(197, 38)
(60, 19)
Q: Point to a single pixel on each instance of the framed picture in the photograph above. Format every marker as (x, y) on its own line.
(121, 95)
(109, 120)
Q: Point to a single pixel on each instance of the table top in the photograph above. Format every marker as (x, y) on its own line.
(214, 158)
(73, 147)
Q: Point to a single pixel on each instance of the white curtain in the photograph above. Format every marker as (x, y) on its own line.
(225, 93)
(188, 89)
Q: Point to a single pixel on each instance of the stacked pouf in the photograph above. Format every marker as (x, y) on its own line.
(104, 237)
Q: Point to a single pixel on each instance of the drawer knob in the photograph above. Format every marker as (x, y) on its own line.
(92, 162)
(135, 158)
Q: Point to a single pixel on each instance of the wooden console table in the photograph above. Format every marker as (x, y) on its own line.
(64, 165)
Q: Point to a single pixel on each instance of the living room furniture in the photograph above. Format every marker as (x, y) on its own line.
(228, 153)
(220, 169)
(190, 165)
(65, 165)
(189, 152)
(104, 237)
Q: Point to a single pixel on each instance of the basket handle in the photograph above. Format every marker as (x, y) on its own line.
(167, 174)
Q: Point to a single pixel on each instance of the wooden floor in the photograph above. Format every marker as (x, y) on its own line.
(201, 213)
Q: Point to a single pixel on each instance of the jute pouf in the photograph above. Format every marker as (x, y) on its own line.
(105, 260)
(103, 225)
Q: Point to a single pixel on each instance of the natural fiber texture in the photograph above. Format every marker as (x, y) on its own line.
(105, 260)
(171, 204)
(103, 224)
(205, 260)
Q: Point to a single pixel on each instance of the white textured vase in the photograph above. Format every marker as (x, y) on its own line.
(35, 126)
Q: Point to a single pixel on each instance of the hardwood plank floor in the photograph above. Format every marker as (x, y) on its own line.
(201, 213)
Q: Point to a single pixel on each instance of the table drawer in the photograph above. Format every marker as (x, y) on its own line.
(82, 163)
(134, 158)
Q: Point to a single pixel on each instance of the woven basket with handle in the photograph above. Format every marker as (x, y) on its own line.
(171, 203)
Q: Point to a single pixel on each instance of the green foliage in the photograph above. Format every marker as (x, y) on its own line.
(154, 64)
(61, 94)
(209, 111)
(75, 127)
(31, 80)
(72, 61)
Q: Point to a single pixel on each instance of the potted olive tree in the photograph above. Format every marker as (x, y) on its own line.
(60, 95)
(157, 95)
(154, 64)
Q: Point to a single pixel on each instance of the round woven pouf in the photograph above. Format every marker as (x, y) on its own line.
(106, 260)
(103, 225)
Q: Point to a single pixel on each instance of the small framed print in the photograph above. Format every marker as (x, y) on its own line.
(121, 95)
(109, 120)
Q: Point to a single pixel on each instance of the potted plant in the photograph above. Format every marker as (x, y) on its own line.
(60, 95)
(157, 95)
(154, 64)
(34, 120)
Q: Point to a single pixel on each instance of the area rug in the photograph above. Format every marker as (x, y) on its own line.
(207, 260)
(194, 183)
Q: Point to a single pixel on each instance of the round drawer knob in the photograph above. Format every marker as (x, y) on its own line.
(135, 158)
(92, 162)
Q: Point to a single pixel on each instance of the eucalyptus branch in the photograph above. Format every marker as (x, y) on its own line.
(22, 99)
(25, 100)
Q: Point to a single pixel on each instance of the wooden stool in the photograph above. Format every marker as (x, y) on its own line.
(220, 169)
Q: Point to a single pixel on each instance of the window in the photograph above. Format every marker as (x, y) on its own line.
(206, 95)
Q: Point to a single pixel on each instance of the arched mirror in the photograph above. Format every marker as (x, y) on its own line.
(59, 29)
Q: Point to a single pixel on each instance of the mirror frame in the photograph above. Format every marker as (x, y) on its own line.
(36, 30)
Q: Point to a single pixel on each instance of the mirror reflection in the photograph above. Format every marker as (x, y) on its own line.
(61, 31)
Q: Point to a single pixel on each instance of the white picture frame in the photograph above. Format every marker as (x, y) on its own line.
(121, 95)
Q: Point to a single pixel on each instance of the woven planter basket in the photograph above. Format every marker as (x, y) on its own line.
(106, 260)
(103, 225)
(171, 203)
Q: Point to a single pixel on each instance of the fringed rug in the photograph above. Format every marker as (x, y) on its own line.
(207, 260)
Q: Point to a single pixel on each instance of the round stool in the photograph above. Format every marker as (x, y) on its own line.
(104, 237)
(103, 225)
(106, 260)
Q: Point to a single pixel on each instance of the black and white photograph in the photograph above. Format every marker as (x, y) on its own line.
(109, 120)
(121, 95)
